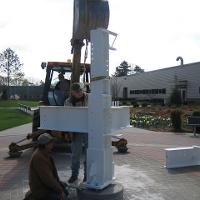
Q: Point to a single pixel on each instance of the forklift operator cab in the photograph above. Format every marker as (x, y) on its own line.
(59, 89)
(57, 82)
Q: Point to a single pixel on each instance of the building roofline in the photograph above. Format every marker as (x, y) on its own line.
(177, 66)
(162, 69)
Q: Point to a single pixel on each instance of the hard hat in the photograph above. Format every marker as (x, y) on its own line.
(76, 87)
(45, 138)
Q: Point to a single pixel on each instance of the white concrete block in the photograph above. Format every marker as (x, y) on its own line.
(182, 156)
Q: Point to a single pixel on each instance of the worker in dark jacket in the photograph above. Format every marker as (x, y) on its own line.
(43, 177)
(62, 89)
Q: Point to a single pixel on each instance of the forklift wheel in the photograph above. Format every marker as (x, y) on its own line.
(122, 149)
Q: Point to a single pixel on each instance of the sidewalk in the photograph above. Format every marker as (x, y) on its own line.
(141, 171)
(19, 130)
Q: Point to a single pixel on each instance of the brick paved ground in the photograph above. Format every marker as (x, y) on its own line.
(141, 171)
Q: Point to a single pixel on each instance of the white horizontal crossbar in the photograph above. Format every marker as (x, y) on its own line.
(75, 119)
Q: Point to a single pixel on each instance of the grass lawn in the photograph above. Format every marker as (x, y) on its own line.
(14, 103)
(11, 117)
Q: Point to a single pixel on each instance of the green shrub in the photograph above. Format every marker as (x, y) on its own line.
(176, 120)
(125, 103)
(175, 98)
(144, 104)
(134, 103)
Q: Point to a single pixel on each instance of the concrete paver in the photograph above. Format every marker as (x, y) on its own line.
(141, 171)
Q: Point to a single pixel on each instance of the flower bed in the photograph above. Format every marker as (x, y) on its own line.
(157, 118)
(149, 121)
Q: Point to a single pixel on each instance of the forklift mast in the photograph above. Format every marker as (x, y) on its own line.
(88, 15)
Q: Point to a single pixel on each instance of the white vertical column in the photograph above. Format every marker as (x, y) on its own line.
(100, 167)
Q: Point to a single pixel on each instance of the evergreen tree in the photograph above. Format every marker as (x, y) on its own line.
(138, 69)
(123, 69)
(175, 98)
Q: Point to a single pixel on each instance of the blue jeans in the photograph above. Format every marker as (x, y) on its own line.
(79, 146)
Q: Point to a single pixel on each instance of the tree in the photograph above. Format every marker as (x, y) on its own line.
(123, 69)
(115, 87)
(176, 119)
(25, 82)
(175, 98)
(17, 79)
(9, 64)
(3, 81)
(41, 82)
(138, 69)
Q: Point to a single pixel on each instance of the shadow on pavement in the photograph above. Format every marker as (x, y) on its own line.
(184, 170)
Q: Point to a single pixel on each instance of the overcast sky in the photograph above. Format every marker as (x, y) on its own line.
(152, 33)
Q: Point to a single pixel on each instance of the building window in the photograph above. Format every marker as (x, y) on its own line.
(163, 91)
(150, 91)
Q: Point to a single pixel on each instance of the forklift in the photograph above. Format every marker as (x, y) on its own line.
(51, 96)
(54, 97)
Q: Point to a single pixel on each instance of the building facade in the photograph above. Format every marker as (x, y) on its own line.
(159, 84)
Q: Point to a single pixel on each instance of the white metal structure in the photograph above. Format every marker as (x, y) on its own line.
(182, 157)
(99, 120)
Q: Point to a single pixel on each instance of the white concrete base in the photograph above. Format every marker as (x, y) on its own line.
(182, 157)
(112, 192)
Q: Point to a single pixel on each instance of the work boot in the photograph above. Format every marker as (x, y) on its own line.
(72, 179)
